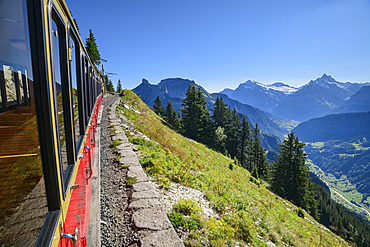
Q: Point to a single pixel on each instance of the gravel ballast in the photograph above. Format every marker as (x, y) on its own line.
(131, 214)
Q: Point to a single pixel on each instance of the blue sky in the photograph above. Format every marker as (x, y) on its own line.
(222, 43)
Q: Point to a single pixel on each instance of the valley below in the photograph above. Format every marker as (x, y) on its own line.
(344, 193)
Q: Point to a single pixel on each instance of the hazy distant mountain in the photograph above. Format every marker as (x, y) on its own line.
(174, 89)
(265, 97)
(342, 127)
(315, 99)
(359, 102)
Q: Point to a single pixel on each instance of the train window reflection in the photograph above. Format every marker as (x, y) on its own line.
(59, 95)
(23, 206)
(10, 86)
(75, 104)
(21, 89)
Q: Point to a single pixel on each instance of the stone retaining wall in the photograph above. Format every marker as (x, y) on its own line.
(148, 217)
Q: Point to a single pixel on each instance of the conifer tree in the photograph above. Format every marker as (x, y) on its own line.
(75, 22)
(158, 106)
(195, 116)
(205, 124)
(119, 86)
(109, 84)
(189, 112)
(92, 48)
(232, 133)
(219, 113)
(290, 175)
(171, 116)
(245, 145)
(259, 156)
(219, 118)
(179, 119)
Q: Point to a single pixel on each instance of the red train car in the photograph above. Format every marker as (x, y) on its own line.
(50, 95)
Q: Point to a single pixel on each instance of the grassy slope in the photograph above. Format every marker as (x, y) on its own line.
(249, 213)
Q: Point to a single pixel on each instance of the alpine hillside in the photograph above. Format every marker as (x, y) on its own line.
(245, 211)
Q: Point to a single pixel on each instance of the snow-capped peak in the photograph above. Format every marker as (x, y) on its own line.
(277, 86)
(326, 81)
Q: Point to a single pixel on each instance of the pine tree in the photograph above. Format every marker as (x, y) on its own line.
(245, 145)
(232, 133)
(158, 107)
(205, 124)
(109, 84)
(92, 48)
(196, 122)
(259, 156)
(219, 113)
(219, 123)
(119, 86)
(171, 116)
(179, 121)
(290, 175)
(188, 113)
(75, 22)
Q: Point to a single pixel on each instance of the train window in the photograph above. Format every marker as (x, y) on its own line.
(23, 204)
(59, 94)
(75, 94)
(62, 99)
(86, 93)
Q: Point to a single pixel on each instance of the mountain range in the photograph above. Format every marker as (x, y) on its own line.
(317, 98)
(174, 89)
(265, 97)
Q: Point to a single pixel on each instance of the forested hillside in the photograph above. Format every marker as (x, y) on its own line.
(344, 126)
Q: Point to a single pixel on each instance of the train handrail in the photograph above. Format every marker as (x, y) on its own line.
(90, 169)
(69, 237)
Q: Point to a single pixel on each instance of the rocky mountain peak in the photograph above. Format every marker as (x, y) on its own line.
(323, 80)
(144, 81)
